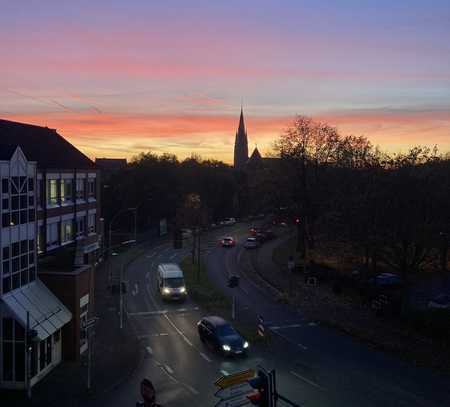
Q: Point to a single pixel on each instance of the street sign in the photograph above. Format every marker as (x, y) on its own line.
(237, 401)
(261, 329)
(235, 378)
(233, 391)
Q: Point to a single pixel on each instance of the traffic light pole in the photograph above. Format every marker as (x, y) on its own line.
(233, 308)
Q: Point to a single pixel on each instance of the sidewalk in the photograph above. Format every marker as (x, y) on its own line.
(342, 312)
(115, 353)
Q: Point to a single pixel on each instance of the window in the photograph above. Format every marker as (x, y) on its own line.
(40, 192)
(66, 190)
(6, 284)
(52, 192)
(81, 188)
(52, 234)
(6, 220)
(91, 223)
(40, 239)
(66, 231)
(5, 185)
(5, 203)
(91, 187)
(81, 226)
(30, 184)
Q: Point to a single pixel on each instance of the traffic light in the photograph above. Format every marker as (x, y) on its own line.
(297, 221)
(178, 239)
(233, 281)
(261, 397)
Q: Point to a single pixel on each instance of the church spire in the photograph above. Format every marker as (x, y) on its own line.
(241, 144)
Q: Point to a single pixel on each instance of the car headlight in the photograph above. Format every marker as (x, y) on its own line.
(166, 290)
(182, 289)
(246, 345)
(226, 348)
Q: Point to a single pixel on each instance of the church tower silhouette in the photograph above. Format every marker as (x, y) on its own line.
(241, 145)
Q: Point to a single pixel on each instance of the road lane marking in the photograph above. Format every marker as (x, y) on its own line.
(275, 331)
(276, 328)
(224, 372)
(173, 256)
(161, 312)
(205, 357)
(178, 330)
(191, 389)
(169, 369)
(306, 380)
(147, 336)
(149, 350)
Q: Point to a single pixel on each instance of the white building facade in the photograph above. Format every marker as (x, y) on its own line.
(31, 316)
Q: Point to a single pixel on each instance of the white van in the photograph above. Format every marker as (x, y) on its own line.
(171, 282)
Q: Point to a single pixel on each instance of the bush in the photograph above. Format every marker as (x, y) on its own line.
(434, 323)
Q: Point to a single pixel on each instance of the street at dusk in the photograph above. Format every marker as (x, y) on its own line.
(224, 204)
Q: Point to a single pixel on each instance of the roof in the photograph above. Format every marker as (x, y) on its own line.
(43, 145)
(7, 151)
(47, 313)
(111, 163)
(215, 320)
(171, 270)
(256, 155)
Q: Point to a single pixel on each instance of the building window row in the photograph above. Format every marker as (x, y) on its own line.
(17, 185)
(65, 190)
(66, 231)
(18, 264)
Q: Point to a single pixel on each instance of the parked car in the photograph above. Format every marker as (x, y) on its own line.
(221, 336)
(441, 301)
(171, 282)
(251, 243)
(387, 280)
(228, 242)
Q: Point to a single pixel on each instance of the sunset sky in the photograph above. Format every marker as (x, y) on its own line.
(120, 77)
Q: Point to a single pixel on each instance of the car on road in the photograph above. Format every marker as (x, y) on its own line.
(221, 336)
(228, 242)
(171, 284)
(228, 221)
(251, 243)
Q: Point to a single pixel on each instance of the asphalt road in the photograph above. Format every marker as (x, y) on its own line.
(315, 366)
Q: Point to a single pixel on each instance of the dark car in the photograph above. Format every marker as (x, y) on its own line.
(228, 242)
(220, 335)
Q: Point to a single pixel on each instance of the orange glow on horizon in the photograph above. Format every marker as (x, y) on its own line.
(126, 135)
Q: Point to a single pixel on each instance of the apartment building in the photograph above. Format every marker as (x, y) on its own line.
(57, 209)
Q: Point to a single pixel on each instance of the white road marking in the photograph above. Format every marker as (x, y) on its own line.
(169, 369)
(298, 376)
(149, 350)
(146, 336)
(224, 372)
(161, 312)
(191, 389)
(179, 332)
(173, 256)
(289, 340)
(205, 357)
(276, 328)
